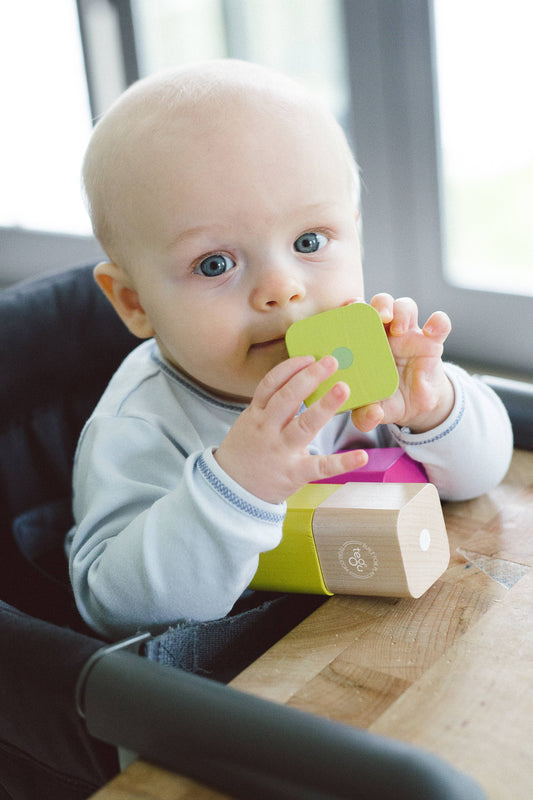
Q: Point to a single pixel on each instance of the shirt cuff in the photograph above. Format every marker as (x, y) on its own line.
(405, 438)
(234, 494)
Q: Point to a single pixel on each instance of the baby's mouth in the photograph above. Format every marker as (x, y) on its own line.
(268, 343)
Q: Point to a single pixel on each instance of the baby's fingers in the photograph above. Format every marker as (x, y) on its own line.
(322, 467)
(307, 425)
(438, 327)
(401, 315)
(368, 417)
(285, 402)
(278, 377)
(384, 305)
(405, 316)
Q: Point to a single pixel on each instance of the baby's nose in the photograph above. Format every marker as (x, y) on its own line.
(277, 289)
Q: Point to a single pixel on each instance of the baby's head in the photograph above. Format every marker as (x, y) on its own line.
(225, 196)
(162, 114)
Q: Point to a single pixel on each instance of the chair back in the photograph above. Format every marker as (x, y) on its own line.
(60, 342)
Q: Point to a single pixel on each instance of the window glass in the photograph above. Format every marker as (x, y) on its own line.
(484, 67)
(45, 116)
(171, 32)
(302, 38)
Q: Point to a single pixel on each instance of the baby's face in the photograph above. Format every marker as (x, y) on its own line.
(238, 233)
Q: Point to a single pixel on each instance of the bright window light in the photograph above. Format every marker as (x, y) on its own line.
(485, 64)
(45, 117)
(303, 38)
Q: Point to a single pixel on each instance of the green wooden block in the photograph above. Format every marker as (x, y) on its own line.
(354, 334)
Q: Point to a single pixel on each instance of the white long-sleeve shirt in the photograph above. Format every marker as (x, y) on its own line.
(163, 533)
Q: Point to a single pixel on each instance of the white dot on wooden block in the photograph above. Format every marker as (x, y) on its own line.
(425, 539)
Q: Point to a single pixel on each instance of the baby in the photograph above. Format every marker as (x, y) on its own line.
(226, 199)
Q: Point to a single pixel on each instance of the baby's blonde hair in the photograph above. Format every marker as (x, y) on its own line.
(152, 104)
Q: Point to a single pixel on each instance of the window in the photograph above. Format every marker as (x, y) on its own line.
(302, 38)
(414, 243)
(46, 117)
(46, 124)
(169, 33)
(433, 92)
(484, 69)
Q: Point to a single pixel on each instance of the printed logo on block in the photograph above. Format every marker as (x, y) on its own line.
(358, 559)
(355, 335)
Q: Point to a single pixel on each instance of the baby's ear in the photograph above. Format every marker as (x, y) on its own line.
(117, 286)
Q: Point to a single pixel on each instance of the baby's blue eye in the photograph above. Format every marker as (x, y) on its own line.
(309, 242)
(215, 265)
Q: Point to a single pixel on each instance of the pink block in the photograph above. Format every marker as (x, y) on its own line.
(385, 465)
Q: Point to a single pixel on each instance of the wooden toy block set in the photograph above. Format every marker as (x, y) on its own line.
(378, 530)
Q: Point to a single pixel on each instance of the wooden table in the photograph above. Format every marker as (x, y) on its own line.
(451, 672)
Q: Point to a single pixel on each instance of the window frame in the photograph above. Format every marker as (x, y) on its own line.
(396, 129)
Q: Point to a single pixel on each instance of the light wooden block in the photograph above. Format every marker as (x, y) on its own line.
(355, 335)
(381, 539)
(359, 538)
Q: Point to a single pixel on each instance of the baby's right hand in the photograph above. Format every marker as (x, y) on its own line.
(266, 452)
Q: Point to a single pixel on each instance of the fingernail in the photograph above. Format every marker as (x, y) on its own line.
(340, 390)
(376, 412)
(330, 362)
(363, 457)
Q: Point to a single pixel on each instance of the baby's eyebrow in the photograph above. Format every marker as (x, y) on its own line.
(318, 209)
(191, 233)
(319, 206)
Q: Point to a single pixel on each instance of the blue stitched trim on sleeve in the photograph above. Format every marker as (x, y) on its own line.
(446, 432)
(234, 499)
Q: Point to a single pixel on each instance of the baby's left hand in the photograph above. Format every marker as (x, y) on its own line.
(425, 395)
